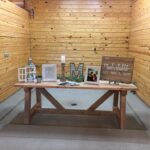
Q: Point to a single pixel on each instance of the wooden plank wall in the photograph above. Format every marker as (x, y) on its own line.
(84, 30)
(20, 3)
(14, 40)
(139, 46)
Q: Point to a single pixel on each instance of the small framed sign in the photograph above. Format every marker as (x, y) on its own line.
(92, 74)
(117, 69)
(49, 72)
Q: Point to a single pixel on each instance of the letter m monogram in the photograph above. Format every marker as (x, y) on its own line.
(76, 71)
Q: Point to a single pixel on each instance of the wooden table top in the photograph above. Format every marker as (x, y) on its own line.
(103, 85)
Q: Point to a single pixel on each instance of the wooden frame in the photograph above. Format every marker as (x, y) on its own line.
(118, 91)
(92, 75)
(117, 69)
(49, 72)
(22, 74)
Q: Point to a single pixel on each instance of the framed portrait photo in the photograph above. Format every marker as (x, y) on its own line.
(49, 72)
(92, 75)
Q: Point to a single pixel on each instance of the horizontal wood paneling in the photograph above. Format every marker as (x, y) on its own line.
(139, 47)
(14, 39)
(77, 28)
(84, 30)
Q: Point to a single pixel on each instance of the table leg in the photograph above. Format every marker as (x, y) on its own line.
(38, 98)
(115, 109)
(27, 106)
(123, 109)
(115, 101)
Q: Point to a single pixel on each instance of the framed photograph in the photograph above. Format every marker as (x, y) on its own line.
(92, 74)
(49, 72)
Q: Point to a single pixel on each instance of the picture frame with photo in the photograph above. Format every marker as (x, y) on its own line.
(92, 75)
(49, 72)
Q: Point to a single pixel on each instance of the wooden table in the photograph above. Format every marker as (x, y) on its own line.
(119, 93)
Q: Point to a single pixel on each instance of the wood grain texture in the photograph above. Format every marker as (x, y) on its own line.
(139, 47)
(84, 30)
(20, 3)
(103, 85)
(27, 106)
(100, 100)
(59, 109)
(119, 69)
(14, 40)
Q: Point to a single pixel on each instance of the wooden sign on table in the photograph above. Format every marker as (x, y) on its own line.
(117, 69)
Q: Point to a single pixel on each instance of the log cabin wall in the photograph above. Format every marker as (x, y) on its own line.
(139, 47)
(20, 3)
(14, 45)
(84, 30)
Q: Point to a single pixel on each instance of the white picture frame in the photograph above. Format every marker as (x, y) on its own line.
(22, 74)
(49, 72)
(92, 75)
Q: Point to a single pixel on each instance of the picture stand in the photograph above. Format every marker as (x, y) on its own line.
(114, 82)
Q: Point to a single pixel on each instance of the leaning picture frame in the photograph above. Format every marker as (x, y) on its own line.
(92, 75)
(49, 72)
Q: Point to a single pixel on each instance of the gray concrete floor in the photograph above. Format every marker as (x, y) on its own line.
(14, 105)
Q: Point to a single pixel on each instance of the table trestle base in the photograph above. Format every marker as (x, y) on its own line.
(118, 111)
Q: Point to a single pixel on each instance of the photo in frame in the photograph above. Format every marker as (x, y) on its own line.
(49, 72)
(92, 75)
